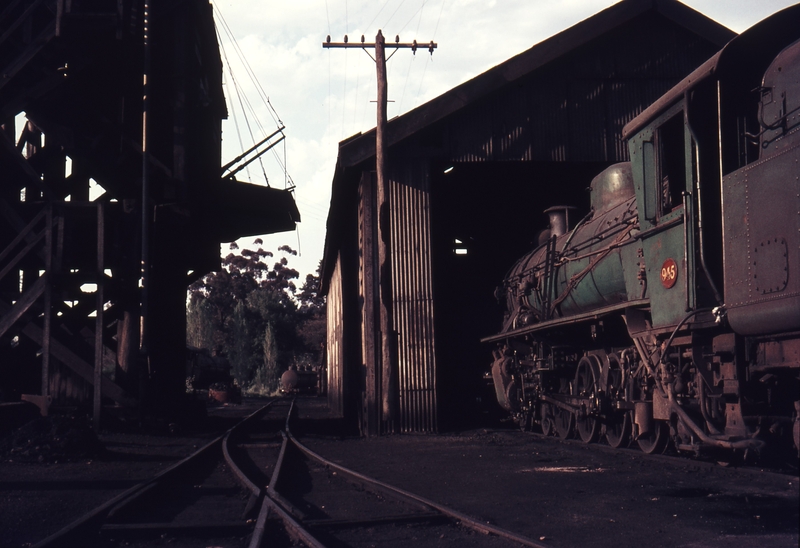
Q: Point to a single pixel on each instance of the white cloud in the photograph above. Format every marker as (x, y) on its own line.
(324, 96)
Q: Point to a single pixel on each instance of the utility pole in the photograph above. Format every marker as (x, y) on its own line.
(390, 397)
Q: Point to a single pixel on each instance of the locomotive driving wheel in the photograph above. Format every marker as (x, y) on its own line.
(564, 423)
(548, 420)
(585, 387)
(618, 423)
(564, 418)
(618, 430)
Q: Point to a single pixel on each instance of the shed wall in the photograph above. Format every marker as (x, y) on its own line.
(336, 355)
(412, 295)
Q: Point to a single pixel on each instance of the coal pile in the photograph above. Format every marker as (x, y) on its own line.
(57, 438)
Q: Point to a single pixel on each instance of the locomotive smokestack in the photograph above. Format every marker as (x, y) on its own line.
(559, 219)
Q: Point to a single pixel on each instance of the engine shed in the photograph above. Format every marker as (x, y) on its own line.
(470, 174)
(112, 196)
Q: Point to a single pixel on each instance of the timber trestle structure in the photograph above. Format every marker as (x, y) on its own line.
(111, 205)
(33, 263)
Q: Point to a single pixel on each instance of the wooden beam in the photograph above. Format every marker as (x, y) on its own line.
(31, 177)
(8, 9)
(21, 255)
(14, 313)
(75, 362)
(21, 19)
(81, 367)
(98, 328)
(22, 234)
(47, 321)
(30, 52)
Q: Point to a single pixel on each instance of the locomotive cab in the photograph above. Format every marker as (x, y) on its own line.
(663, 157)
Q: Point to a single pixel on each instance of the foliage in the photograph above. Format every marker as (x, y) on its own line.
(254, 314)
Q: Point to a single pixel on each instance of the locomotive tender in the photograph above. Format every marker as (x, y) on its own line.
(671, 312)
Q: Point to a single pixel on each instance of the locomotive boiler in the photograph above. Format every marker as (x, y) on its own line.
(671, 313)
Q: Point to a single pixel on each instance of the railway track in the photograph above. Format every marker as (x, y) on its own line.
(199, 497)
(258, 485)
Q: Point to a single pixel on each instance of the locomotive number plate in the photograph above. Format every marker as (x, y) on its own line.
(669, 273)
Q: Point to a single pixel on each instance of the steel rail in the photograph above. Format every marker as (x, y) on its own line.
(115, 504)
(255, 491)
(274, 502)
(464, 519)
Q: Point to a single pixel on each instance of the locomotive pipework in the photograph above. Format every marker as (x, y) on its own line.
(670, 314)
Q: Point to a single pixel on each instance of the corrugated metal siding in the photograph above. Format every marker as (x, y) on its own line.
(336, 357)
(412, 293)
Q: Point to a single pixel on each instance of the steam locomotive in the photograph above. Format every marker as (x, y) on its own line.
(304, 379)
(671, 312)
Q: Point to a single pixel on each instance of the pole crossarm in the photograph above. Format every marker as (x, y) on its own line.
(413, 46)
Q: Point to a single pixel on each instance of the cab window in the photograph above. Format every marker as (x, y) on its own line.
(671, 167)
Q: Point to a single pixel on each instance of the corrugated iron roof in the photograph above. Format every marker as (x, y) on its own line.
(767, 35)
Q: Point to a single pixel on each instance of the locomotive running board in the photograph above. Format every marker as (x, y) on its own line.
(578, 318)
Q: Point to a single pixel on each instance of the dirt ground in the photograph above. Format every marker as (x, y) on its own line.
(562, 494)
(39, 496)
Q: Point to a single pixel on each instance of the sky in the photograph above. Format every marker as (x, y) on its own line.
(323, 96)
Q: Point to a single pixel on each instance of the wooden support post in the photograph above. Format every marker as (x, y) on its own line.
(391, 397)
(370, 350)
(98, 326)
(48, 308)
(146, 213)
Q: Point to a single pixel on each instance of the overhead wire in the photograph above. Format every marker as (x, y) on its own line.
(311, 210)
(264, 97)
(393, 14)
(378, 14)
(433, 38)
(327, 15)
(244, 100)
(413, 57)
(355, 100)
(344, 91)
(235, 89)
(249, 70)
(419, 10)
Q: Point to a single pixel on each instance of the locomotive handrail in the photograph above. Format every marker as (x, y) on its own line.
(661, 227)
(575, 230)
(575, 280)
(699, 214)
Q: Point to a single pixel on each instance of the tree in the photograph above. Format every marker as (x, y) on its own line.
(312, 310)
(254, 315)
